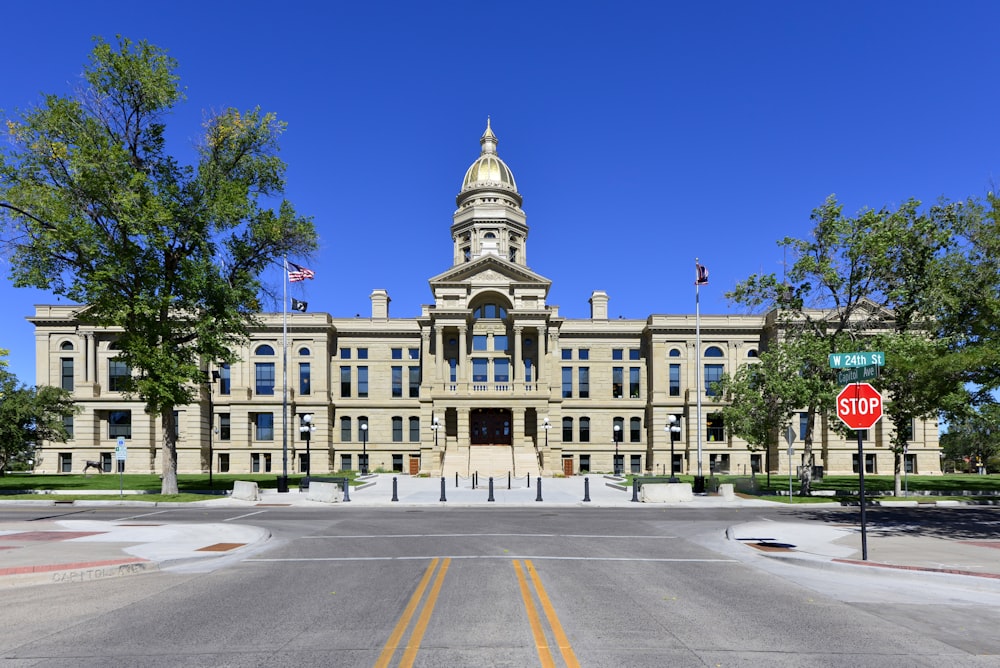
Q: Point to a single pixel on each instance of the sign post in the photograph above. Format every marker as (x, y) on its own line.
(790, 439)
(121, 452)
(859, 406)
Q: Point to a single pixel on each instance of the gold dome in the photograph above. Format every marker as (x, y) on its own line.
(489, 171)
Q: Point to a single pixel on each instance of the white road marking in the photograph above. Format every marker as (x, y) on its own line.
(239, 517)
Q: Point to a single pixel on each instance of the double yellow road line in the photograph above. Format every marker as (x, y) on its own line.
(525, 583)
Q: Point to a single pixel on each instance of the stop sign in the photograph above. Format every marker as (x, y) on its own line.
(859, 406)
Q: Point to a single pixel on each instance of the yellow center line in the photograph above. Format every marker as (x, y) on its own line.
(425, 616)
(390, 646)
(544, 654)
(557, 630)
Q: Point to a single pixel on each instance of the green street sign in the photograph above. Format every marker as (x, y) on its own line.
(851, 360)
(857, 374)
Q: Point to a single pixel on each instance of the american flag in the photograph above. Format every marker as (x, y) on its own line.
(701, 274)
(297, 273)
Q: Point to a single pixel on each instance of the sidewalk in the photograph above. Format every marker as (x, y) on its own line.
(76, 550)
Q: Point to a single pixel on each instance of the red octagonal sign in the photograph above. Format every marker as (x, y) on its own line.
(859, 406)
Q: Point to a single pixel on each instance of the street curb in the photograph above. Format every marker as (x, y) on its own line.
(84, 571)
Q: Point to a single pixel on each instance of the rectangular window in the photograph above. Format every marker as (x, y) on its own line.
(66, 373)
(633, 382)
(397, 462)
(397, 353)
(397, 429)
(617, 382)
(304, 461)
(225, 427)
(585, 430)
(869, 462)
(584, 463)
(633, 353)
(715, 429)
(345, 462)
(636, 464)
(567, 430)
(177, 424)
(362, 353)
(567, 382)
(264, 422)
(675, 380)
(414, 353)
(853, 435)
(362, 382)
(567, 354)
(106, 462)
(479, 341)
(414, 430)
(583, 384)
(501, 370)
(223, 462)
(414, 381)
(617, 353)
(803, 425)
(397, 381)
(66, 462)
(909, 463)
(583, 354)
(345, 430)
(264, 378)
(500, 343)
(67, 422)
(118, 375)
(345, 353)
(453, 370)
(713, 374)
(345, 382)
(480, 367)
(635, 430)
(527, 371)
(225, 380)
(260, 462)
(305, 376)
(120, 424)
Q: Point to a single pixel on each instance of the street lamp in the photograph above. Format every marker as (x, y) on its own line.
(364, 448)
(618, 438)
(306, 428)
(546, 426)
(211, 427)
(435, 425)
(673, 428)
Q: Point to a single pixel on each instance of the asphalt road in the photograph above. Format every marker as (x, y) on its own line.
(493, 587)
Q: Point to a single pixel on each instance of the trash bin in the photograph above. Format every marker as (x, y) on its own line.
(282, 484)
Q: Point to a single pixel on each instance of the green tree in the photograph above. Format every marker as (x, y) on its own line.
(29, 415)
(973, 435)
(98, 211)
(877, 274)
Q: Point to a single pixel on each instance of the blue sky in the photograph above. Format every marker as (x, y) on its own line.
(641, 134)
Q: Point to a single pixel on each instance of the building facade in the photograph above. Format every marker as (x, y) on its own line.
(488, 378)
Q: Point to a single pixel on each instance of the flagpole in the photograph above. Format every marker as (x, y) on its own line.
(699, 483)
(283, 486)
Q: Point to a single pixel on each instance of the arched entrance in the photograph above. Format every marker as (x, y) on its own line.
(490, 426)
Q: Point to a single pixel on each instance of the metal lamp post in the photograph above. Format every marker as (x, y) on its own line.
(211, 427)
(546, 426)
(618, 436)
(435, 426)
(306, 428)
(364, 449)
(674, 430)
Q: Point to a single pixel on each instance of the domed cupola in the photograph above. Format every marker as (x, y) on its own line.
(489, 171)
(489, 219)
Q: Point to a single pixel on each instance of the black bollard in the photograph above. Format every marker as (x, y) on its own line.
(491, 490)
(538, 484)
(586, 490)
(395, 496)
(475, 474)
(529, 480)
(347, 491)
(456, 478)
(508, 479)
(635, 490)
(442, 489)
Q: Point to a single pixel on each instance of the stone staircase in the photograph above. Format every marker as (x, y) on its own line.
(491, 460)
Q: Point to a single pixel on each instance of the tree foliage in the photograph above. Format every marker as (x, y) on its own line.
(98, 211)
(29, 415)
(974, 435)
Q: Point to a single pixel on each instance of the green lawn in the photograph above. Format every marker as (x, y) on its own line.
(109, 481)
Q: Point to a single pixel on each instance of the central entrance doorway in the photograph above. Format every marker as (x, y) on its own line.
(490, 426)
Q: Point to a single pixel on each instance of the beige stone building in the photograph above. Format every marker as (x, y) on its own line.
(488, 378)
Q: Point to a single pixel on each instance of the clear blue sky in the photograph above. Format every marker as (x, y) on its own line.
(641, 134)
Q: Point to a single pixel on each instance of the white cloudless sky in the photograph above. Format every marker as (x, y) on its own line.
(641, 134)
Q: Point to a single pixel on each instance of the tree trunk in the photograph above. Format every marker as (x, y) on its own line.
(168, 455)
(897, 485)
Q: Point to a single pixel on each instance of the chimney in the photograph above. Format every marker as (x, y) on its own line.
(599, 305)
(380, 305)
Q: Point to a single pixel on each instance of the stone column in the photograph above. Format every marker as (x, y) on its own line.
(462, 365)
(515, 372)
(439, 353)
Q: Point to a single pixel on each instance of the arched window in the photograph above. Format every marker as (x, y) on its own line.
(264, 350)
(713, 351)
(304, 352)
(66, 345)
(674, 352)
(490, 311)
(752, 352)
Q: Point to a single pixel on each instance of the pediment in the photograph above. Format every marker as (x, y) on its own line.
(489, 271)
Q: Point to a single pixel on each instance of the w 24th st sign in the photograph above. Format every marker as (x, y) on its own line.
(859, 406)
